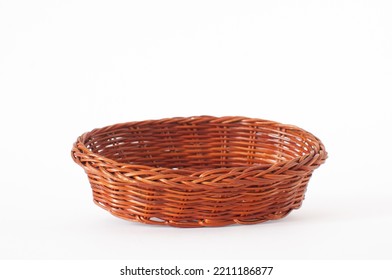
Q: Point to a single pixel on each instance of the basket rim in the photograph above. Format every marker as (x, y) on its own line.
(320, 152)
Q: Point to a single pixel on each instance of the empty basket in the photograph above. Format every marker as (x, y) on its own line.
(199, 171)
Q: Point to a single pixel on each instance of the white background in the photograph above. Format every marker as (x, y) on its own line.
(67, 67)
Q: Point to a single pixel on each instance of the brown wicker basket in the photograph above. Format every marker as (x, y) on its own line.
(199, 171)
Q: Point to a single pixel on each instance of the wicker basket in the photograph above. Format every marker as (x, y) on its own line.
(199, 171)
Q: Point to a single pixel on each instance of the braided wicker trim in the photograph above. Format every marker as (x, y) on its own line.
(199, 171)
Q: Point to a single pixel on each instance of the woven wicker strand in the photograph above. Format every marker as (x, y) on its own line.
(199, 171)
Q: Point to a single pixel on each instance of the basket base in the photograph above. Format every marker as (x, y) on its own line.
(194, 223)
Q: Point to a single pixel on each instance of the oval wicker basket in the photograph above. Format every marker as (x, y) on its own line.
(199, 171)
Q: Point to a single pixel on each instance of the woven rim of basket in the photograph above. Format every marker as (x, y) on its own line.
(317, 152)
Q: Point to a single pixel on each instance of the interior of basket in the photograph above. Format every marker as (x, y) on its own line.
(200, 146)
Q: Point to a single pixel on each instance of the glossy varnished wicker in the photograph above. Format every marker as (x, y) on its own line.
(199, 171)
